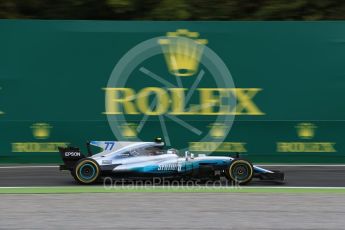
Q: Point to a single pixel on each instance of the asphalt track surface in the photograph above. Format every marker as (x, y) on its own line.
(303, 176)
(172, 211)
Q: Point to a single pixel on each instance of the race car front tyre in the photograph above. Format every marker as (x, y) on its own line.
(86, 171)
(240, 171)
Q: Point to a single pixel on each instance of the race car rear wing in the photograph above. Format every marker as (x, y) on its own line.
(70, 156)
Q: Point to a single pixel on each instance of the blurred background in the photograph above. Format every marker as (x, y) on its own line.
(174, 9)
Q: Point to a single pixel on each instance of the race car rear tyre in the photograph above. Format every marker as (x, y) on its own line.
(240, 171)
(86, 171)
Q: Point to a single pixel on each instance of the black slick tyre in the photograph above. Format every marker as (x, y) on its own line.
(240, 171)
(86, 171)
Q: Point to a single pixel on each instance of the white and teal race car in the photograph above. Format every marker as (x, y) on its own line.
(147, 160)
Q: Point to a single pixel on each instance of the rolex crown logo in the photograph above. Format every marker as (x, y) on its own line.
(217, 130)
(129, 130)
(182, 50)
(306, 130)
(41, 130)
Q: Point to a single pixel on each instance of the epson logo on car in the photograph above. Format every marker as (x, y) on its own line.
(72, 154)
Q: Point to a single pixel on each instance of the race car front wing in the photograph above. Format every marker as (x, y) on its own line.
(275, 176)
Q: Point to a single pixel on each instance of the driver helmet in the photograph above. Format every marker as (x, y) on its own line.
(172, 151)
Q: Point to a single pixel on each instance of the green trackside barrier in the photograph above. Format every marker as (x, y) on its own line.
(270, 90)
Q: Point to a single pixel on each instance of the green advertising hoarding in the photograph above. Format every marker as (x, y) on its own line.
(269, 90)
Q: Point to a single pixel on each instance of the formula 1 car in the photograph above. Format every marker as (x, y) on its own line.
(145, 160)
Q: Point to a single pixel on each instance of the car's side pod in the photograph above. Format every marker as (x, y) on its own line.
(70, 156)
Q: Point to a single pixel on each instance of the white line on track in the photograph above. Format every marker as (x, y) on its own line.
(260, 165)
(291, 187)
(28, 166)
(300, 165)
(184, 187)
